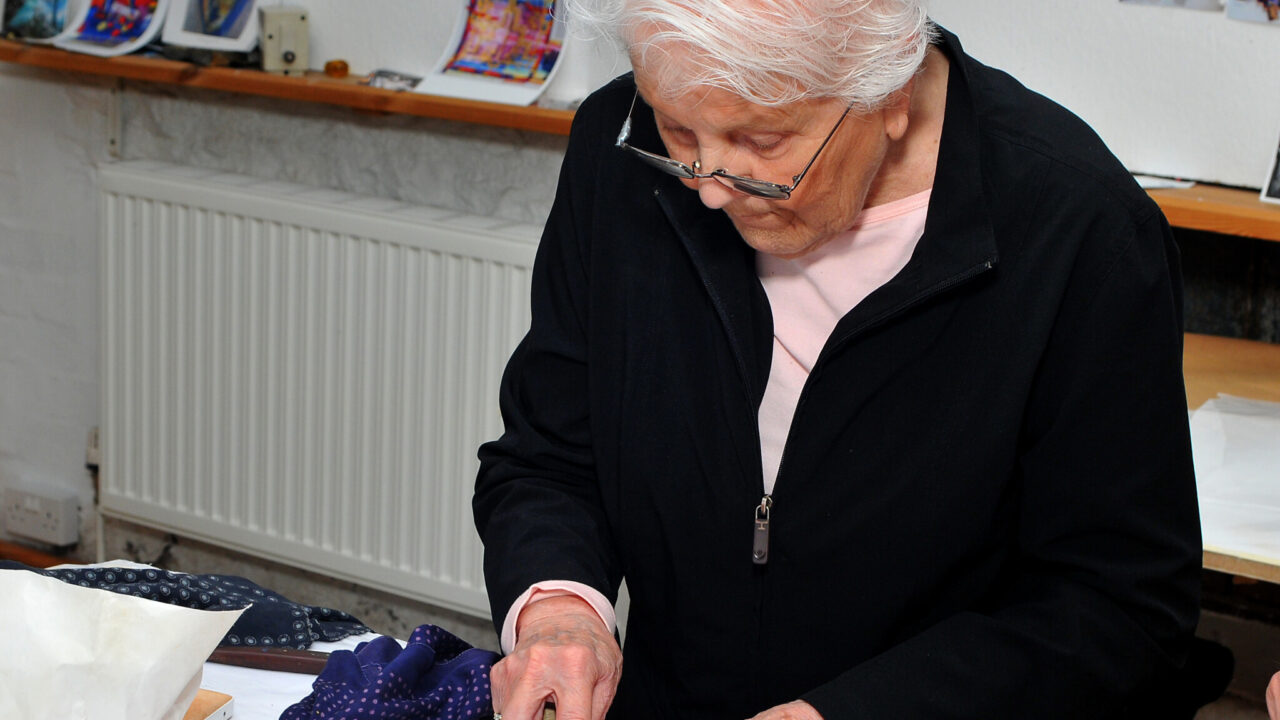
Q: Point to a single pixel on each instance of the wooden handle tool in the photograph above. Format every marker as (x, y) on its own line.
(305, 662)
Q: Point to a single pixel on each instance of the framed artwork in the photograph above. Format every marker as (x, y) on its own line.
(33, 19)
(114, 27)
(228, 25)
(1189, 4)
(1271, 188)
(1262, 11)
(502, 51)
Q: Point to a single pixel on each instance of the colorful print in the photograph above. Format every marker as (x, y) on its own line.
(508, 39)
(1260, 11)
(222, 17)
(35, 18)
(114, 22)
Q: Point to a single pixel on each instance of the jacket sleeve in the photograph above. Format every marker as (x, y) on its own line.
(537, 504)
(1104, 588)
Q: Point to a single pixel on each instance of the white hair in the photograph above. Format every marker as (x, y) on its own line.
(770, 52)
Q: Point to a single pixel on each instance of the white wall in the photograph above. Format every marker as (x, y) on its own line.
(1172, 91)
(51, 135)
(412, 37)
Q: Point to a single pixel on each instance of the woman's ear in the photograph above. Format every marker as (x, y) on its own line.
(897, 112)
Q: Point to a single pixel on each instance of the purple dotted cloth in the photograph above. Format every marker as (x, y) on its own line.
(270, 620)
(436, 676)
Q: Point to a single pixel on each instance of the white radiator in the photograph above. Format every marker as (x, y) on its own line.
(303, 374)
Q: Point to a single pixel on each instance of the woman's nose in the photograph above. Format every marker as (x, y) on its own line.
(712, 193)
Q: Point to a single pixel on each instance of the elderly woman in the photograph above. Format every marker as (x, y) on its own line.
(861, 363)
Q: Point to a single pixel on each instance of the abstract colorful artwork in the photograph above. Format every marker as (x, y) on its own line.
(508, 39)
(114, 22)
(34, 18)
(1264, 11)
(222, 17)
(1214, 5)
(1271, 8)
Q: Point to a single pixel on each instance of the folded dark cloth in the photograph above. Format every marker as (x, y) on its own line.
(435, 676)
(272, 620)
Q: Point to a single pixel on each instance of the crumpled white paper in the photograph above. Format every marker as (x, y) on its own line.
(76, 653)
(1236, 445)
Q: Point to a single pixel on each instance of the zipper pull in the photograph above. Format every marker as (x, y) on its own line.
(760, 537)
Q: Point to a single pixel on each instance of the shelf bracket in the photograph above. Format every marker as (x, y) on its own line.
(115, 122)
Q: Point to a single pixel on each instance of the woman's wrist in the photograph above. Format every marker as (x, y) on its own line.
(560, 605)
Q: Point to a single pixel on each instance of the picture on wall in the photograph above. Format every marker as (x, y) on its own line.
(1271, 190)
(1263, 11)
(1188, 4)
(34, 19)
(114, 27)
(502, 51)
(112, 22)
(507, 39)
(221, 17)
(225, 25)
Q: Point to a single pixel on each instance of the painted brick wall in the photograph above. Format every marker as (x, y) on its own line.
(52, 131)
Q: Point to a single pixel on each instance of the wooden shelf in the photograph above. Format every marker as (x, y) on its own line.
(313, 87)
(1203, 207)
(1245, 368)
(1221, 210)
(1264, 569)
(29, 556)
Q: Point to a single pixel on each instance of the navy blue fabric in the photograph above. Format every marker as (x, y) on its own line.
(435, 676)
(272, 620)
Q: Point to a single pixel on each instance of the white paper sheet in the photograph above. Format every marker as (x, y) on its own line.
(264, 694)
(1236, 444)
(1151, 182)
(76, 653)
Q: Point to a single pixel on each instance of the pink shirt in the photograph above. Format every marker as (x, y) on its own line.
(808, 296)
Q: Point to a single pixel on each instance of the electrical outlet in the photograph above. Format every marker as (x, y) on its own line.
(49, 517)
(93, 451)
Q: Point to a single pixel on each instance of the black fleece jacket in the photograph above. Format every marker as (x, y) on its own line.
(986, 506)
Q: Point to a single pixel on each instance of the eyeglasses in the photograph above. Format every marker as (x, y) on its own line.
(748, 186)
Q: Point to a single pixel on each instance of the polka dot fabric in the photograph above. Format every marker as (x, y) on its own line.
(435, 676)
(272, 620)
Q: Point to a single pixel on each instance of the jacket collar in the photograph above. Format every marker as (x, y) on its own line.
(958, 243)
(727, 267)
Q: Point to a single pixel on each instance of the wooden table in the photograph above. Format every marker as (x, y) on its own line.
(1244, 368)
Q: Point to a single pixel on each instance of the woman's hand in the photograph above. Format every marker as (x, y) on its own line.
(794, 710)
(563, 653)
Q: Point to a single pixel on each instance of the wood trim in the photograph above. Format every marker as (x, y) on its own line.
(312, 87)
(29, 556)
(1220, 210)
(1244, 567)
(1245, 368)
(1203, 207)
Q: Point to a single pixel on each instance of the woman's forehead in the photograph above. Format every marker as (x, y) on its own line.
(717, 108)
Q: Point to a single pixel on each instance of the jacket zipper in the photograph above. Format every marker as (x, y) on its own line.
(760, 537)
(760, 534)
